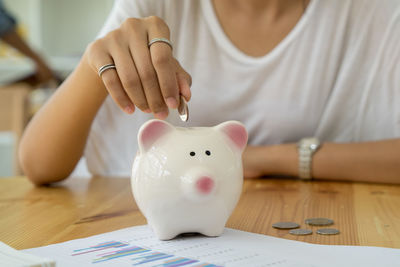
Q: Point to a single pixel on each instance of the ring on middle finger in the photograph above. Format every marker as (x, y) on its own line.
(163, 40)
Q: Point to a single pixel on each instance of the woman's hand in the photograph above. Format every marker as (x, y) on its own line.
(149, 78)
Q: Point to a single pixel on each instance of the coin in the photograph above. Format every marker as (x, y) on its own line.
(285, 225)
(300, 232)
(319, 221)
(183, 109)
(328, 231)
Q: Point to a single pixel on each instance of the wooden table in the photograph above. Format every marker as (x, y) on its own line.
(366, 214)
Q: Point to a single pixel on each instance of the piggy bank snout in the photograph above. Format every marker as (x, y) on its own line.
(199, 185)
(205, 184)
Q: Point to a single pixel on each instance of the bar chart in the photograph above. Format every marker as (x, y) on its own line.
(138, 246)
(138, 256)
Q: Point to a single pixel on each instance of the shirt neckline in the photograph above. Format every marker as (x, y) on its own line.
(224, 41)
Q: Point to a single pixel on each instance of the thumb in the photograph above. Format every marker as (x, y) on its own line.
(184, 82)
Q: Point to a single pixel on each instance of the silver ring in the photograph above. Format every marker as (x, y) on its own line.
(163, 40)
(105, 67)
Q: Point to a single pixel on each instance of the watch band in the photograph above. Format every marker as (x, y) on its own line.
(305, 161)
(306, 149)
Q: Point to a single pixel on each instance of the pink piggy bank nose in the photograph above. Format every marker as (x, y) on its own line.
(205, 184)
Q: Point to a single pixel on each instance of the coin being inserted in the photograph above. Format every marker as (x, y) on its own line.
(183, 109)
(285, 225)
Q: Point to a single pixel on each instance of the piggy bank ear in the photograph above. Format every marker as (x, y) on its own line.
(236, 132)
(151, 131)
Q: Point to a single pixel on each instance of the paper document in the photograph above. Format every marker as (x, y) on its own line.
(10, 257)
(138, 246)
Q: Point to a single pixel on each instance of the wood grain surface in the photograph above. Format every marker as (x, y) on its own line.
(365, 214)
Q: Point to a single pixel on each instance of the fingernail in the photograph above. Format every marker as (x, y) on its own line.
(147, 110)
(171, 102)
(128, 109)
(161, 115)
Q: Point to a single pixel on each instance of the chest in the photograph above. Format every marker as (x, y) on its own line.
(280, 97)
(257, 32)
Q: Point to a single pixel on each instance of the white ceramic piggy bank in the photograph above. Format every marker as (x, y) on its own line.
(187, 180)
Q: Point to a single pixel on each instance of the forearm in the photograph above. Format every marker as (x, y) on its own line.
(55, 138)
(364, 162)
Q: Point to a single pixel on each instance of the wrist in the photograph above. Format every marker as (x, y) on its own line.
(91, 76)
(306, 147)
(280, 160)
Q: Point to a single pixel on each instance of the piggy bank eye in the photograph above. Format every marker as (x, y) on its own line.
(208, 153)
(192, 154)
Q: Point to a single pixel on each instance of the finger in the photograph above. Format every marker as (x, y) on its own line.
(163, 62)
(114, 87)
(184, 82)
(147, 74)
(129, 77)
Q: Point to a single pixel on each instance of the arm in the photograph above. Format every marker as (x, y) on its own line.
(146, 78)
(377, 161)
(55, 138)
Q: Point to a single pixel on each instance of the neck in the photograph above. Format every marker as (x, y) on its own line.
(259, 7)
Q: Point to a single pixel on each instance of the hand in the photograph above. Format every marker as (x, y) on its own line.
(148, 78)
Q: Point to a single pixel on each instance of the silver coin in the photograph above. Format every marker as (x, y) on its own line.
(319, 221)
(183, 109)
(328, 231)
(285, 225)
(300, 232)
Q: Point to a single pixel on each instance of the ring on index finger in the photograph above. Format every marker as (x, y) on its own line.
(163, 40)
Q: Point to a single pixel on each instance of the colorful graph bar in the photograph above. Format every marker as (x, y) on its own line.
(177, 262)
(121, 253)
(206, 265)
(154, 256)
(101, 246)
(140, 255)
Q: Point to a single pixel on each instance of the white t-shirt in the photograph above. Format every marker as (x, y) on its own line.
(336, 76)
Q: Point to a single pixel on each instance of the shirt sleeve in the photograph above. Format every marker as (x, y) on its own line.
(7, 22)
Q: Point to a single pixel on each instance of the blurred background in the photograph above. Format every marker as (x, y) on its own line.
(41, 42)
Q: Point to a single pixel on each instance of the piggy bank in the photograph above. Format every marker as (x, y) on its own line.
(188, 180)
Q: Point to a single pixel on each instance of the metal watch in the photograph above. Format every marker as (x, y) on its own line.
(306, 149)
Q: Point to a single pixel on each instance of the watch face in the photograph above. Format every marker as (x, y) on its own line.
(314, 143)
(311, 143)
(313, 146)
